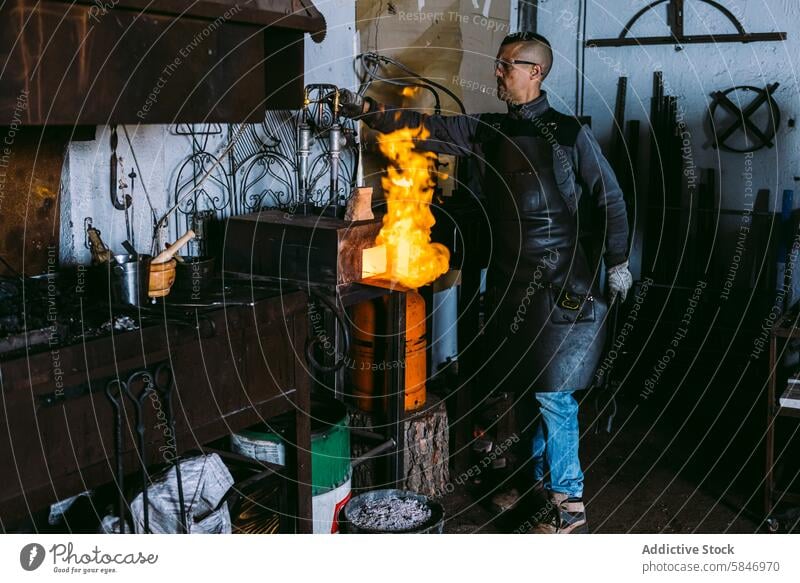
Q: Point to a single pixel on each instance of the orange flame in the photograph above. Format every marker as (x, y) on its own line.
(411, 258)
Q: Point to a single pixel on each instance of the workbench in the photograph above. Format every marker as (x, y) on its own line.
(233, 366)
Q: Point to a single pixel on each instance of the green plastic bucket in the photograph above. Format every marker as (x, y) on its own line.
(330, 444)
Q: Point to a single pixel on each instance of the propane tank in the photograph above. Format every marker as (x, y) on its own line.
(370, 370)
(365, 376)
(416, 346)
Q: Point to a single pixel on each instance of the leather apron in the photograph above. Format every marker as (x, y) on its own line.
(545, 312)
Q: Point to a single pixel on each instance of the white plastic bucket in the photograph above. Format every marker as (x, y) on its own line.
(325, 508)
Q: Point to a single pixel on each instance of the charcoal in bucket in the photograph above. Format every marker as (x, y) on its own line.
(393, 511)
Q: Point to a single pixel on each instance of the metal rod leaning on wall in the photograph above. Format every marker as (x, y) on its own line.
(649, 246)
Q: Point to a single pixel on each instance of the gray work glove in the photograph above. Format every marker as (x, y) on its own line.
(620, 281)
(350, 104)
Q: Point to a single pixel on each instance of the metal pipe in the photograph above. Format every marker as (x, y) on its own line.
(335, 143)
(303, 152)
(367, 434)
(386, 445)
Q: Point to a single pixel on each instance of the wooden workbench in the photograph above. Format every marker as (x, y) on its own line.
(236, 366)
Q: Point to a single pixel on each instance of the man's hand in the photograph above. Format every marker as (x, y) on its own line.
(350, 104)
(620, 281)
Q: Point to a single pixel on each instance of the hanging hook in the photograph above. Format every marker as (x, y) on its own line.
(114, 185)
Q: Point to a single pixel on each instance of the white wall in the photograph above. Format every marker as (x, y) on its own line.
(86, 187)
(331, 61)
(692, 74)
(160, 153)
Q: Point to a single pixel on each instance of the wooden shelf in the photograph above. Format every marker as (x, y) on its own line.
(774, 411)
(787, 412)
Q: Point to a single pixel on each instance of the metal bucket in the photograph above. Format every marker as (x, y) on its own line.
(433, 525)
(130, 279)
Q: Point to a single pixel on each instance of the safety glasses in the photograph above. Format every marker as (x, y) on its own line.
(508, 65)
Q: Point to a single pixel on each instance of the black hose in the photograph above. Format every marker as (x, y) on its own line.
(426, 83)
(311, 343)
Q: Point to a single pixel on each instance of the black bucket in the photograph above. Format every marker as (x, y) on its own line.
(194, 276)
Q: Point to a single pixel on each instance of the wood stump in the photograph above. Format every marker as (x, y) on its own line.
(426, 454)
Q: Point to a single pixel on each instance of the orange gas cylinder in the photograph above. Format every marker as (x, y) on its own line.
(416, 345)
(365, 376)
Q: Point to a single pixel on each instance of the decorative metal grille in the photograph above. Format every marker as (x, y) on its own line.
(261, 171)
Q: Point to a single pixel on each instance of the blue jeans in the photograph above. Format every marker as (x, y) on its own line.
(555, 444)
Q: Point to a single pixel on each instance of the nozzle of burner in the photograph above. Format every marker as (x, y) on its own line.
(336, 139)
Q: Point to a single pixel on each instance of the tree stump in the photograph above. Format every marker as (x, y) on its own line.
(426, 454)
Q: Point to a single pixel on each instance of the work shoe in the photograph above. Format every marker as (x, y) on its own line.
(508, 499)
(564, 515)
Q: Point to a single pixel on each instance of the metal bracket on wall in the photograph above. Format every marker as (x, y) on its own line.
(527, 15)
(675, 19)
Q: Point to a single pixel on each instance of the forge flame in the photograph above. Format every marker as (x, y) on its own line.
(411, 258)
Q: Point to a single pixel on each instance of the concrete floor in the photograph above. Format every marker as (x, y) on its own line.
(637, 480)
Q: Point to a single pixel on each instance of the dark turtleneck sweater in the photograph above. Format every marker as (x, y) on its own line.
(531, 109)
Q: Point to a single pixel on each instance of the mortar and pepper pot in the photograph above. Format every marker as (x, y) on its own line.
(162, 267)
